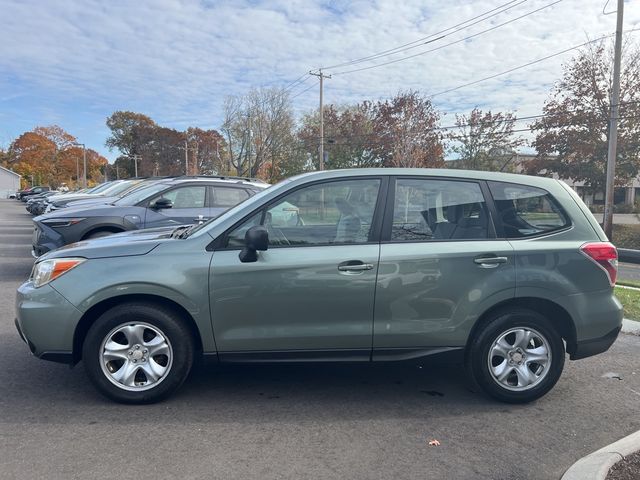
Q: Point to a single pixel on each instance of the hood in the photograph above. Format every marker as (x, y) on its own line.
(91, 201)
(126, 244)
(66, 198)
(85, 211)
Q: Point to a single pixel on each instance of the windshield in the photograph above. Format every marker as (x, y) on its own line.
(141, 194)
(100, 188)
(118, 188)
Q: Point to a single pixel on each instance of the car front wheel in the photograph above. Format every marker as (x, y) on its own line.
(138, 353)
(517, 357)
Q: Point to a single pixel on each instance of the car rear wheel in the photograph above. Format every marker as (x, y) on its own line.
(138, 353)
(517, 357)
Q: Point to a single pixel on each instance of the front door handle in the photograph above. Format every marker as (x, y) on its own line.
(354, 266)
(490, 262)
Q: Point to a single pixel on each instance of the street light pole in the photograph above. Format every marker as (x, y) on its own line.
(613, 127)
(84, 159)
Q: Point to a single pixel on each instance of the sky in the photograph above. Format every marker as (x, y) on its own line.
(74, 62)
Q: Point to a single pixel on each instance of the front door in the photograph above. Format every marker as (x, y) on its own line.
(440, 265)
(311, 294)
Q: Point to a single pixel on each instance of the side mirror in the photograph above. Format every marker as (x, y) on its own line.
(256, 239)
(162, 203)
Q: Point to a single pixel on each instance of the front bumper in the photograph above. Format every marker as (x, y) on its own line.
(46, 321)
(45, 239)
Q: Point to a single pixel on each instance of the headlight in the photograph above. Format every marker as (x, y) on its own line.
(61, 222)
(48, 270)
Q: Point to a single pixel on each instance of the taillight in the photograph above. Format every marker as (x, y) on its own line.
(605, 256)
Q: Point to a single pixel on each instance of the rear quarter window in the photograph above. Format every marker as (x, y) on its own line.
(526, 211)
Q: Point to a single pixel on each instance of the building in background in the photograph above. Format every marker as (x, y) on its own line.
(9, 182)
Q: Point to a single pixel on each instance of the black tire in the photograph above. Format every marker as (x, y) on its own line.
(160, 319)
(477, 355)
(99, 234)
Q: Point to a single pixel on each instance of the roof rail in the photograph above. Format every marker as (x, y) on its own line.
(223, 177)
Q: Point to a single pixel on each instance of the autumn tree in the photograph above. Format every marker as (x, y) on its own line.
(51, 156)
(484, 140)
(32, 156)
(572, 137)
(126, 128)
(259, 132)
(405, 132)
(207, 151)
(348, 133)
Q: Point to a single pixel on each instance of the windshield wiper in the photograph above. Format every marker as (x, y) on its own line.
(178, 231)
(185, 233)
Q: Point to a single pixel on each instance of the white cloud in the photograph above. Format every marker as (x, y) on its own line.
(176, 60)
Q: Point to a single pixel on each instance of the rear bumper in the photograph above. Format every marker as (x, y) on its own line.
(588, 348)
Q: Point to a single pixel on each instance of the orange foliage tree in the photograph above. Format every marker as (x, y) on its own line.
(50, 156)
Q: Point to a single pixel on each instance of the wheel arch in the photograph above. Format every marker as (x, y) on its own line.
(103, 228)
(557, 315)
(98, 309)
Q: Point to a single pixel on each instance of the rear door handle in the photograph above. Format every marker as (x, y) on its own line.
(354, 266)
(490, 262)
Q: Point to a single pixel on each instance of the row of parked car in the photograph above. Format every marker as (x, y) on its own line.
(122, 205)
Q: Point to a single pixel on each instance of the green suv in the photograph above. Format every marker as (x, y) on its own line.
(503, 272)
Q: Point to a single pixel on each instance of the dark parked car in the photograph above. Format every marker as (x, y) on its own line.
(505, 273)
(27, 192)
(170, 202)
(36, 204)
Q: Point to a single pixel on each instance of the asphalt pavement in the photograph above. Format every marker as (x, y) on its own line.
(297, 422)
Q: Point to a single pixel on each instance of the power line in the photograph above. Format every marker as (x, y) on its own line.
(440, 34)
(305, 90)
(525, 65)
(345, 72)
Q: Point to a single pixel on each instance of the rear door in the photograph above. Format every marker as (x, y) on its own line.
(440, 264)
(190, 205)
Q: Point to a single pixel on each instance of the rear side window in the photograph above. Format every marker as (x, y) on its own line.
(431, 209)
(228, 197)
(526, 211)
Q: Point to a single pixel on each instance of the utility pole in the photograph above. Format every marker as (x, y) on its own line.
(321, 76)
(84, 159)
(186, 157)
(249, 145)
(613, 126)
(135, 157)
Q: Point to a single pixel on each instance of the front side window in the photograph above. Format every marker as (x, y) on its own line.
(431, 209)
(332, 213)
(184, 197)
(525, 211)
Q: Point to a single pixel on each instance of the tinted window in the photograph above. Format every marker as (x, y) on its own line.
(141, 194)
(185, 197)
(526, 211)
(338, 212)
(228, 197)
(438, 210)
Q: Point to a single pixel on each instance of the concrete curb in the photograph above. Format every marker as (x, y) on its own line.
(630, 326)
(596, 465)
